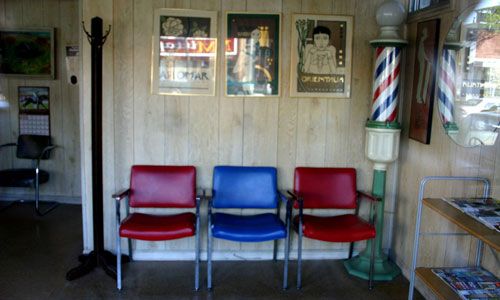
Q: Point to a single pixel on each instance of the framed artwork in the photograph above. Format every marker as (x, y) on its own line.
(27, 52)
(34, 110)
(424, 80)
(184, 52)
(252, 49)
(419, 5)
(321, 56)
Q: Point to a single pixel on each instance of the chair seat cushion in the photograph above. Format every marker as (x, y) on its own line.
(22, 177)
(339, 229)
(254, 228)
(148, 227)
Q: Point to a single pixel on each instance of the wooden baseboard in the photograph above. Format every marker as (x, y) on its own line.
(166, 255)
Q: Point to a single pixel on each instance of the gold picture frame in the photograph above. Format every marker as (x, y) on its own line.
(184, 54)
(27, 52)
(252, 54)
(321, 58)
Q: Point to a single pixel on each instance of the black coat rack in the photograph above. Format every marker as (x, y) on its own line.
(99, 256)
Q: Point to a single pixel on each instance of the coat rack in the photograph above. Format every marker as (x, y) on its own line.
(99, 256)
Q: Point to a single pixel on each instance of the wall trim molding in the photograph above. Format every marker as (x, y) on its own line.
(31, 197)
(167, 255)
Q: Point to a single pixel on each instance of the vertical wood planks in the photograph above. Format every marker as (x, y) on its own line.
(261, 114)
(70, 98)
(338, 110)
(149, 133)
(203, 116)
(231, 119)
(311, 126)
(288, 107)
(123, 102)
(123, 45)
(176, 116)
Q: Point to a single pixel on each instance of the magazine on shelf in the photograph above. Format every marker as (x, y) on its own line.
(470, 283)
(485, 210)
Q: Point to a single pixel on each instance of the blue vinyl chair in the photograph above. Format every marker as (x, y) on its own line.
(247, 188)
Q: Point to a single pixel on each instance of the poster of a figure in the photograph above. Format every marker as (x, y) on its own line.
(184, 52)
(321, 56)
(424, 79)
(252, 54)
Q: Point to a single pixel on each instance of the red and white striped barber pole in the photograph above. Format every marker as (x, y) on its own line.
(446, 86)
(386, 84)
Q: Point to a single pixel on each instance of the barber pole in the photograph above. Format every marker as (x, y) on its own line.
(446, 86)
(386, 84)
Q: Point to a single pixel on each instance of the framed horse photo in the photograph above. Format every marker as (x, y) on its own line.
(27, 52)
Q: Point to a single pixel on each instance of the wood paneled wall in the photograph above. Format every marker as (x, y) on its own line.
(442, 157)
(64, 165)
(141, 128)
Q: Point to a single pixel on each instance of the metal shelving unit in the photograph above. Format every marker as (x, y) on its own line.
(471, 226)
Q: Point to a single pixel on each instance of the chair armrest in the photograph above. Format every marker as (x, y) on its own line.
(8, 145)
(369, 196)
(373, 200)
(121, 194)
(296, 197)
(283, 197)
(45, 150)
(200, 194)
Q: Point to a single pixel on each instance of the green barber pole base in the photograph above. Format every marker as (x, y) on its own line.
(383, 269)
(359, 266)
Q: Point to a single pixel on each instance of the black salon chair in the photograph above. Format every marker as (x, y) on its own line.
(36, 148)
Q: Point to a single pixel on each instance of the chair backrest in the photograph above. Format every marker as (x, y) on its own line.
(162, 186)
(326, 187)
(32, 146)
(244, 187)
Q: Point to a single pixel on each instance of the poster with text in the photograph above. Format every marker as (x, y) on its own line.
(184, 52)
(321, 56)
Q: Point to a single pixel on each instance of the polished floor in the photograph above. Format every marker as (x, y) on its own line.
(36, 252)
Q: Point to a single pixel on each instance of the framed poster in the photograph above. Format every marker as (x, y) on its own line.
(424, 80)
(321, 56)
(184, 52)
(27, 52)
(34, 113)
(252, 54)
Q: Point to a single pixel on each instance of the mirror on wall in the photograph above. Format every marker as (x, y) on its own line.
(469, 78)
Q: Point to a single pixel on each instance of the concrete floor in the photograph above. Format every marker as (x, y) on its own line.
(36, 252)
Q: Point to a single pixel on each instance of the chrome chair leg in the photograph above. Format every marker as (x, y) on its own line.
(37, 198)
(287, 257)
(299, 257)
(197, 256)
(209, 256)
(118, 260)
(275, 250)
(118, 248)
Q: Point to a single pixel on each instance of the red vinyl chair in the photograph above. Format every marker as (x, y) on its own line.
(330, 188)
(159, 187)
